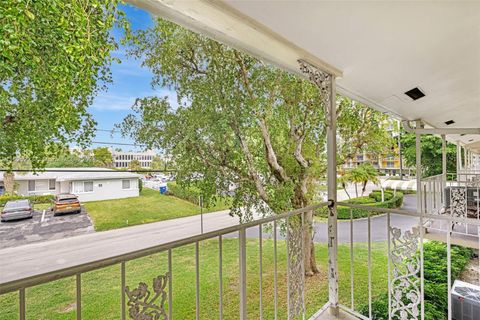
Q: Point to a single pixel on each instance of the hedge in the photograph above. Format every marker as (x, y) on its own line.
(390, 202)
(435, 281)
(34, 199)
(189, 194)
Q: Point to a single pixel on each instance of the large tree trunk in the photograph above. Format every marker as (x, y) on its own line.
(310, 261)
(9, 182)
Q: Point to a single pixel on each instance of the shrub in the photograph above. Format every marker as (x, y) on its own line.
(34, 199)
(435, 281)
(140, 185)
(344, 212)
(377, 195)
(189, 194)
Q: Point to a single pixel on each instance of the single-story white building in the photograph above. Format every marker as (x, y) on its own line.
(89, 184)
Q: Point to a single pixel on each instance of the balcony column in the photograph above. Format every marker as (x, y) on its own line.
(459, 160)
(326, 83)
(418, 162)
(444, 162)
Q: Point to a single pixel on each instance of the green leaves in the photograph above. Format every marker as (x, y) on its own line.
(431, 154)
(54, 59)
(241, 126)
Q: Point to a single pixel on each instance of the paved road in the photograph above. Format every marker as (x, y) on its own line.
(44, 257)
(378, 226)
(21, 232)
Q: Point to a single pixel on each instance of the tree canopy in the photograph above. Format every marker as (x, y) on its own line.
(158, 163)
(431, 148)
(134, 165)
(103, 157)
(239, 125)
(54, 58)
(239, 121)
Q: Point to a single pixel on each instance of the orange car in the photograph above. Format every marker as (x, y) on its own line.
(66, 203)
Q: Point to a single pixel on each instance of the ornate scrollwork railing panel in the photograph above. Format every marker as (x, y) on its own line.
(405, 282)
(146, 305)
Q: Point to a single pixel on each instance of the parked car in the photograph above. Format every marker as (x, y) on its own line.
(19, 209)
(66, 203)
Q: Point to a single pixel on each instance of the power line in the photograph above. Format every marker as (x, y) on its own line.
(107, 130)
(119, 143)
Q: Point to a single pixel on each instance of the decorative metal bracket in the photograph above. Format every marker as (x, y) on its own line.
(323, 81)
(144, 307)
(404, 288)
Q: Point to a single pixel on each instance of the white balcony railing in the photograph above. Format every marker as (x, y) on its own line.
(384, 255)
(405, 262)
(156, 299)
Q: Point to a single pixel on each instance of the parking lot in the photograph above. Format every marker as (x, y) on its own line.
(42, 227)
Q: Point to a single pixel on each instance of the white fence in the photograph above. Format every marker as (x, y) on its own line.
(155, 299)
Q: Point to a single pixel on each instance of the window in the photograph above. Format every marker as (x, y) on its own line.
(88, 186)
(125, 184)
(31, 185)
(51, 184)
(82, 186)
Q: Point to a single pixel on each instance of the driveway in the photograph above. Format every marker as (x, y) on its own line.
(43, 227)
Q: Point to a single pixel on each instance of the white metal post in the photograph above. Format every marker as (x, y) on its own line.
(459, 160)
(326, 83)
(418, 162)
(242, 255)
(332, 198)
(444, 167)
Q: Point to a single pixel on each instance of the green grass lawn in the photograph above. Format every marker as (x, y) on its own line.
(150, 206)
(101, 291)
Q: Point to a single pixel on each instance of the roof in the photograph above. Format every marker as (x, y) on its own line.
(378, 50)
(73, 174)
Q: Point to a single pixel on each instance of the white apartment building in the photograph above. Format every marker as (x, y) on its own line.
(122, 159)
(89, 184)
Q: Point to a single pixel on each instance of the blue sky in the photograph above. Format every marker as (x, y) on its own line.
(130, 81)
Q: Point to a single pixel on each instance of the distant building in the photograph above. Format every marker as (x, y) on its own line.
(122, 159)
(388, 164)
(90, 184)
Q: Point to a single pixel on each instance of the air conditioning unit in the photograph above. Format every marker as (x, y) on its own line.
(465, 301)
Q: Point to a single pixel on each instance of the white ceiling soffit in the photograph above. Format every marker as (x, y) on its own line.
(379, 50)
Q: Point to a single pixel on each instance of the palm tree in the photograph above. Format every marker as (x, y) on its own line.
(369, 173)
(344, 180)
(356, 176)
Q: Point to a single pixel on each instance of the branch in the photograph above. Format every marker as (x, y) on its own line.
(278, 170)
(248, 156)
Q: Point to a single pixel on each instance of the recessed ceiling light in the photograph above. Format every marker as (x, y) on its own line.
(449, 122)
(415, 93)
